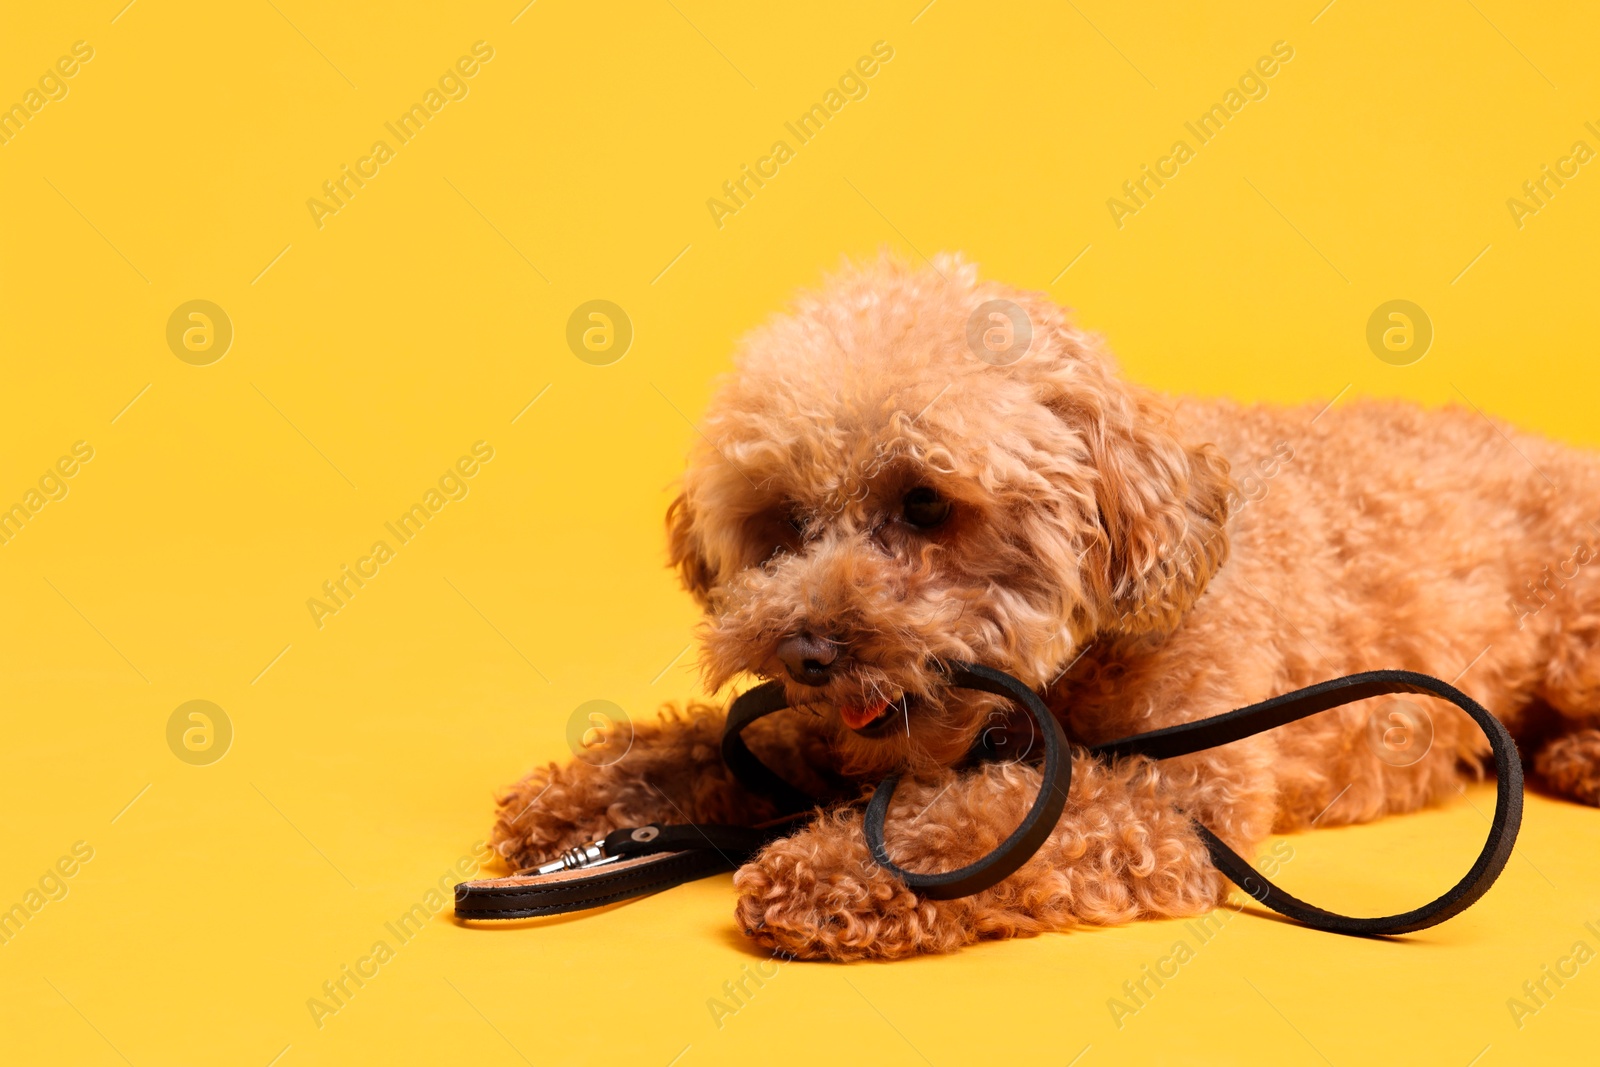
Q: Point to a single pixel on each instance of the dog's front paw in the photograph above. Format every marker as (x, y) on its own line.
(819, 895)
(550, 810)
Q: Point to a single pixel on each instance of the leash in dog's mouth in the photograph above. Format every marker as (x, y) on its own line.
(637, 861)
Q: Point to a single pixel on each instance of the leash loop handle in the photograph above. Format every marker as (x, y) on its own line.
(1190, 737)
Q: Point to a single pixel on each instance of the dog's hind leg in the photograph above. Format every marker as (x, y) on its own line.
(667, 771)
(1565, 606)
(1569, 764)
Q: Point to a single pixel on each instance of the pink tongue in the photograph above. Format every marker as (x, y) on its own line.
(856, 716)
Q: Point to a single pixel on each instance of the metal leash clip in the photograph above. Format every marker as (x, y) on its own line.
(591, 855)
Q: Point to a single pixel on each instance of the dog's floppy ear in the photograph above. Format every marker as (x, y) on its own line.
(1163, 510)
(1158, 532)
(684, 550)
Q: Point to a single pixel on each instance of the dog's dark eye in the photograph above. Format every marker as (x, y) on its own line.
(924, 508)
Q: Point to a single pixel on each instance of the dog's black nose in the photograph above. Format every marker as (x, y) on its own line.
(808, 659)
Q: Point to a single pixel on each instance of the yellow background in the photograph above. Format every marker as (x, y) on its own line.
(426, 315)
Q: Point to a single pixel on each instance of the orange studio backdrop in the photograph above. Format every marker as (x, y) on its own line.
(350, 352)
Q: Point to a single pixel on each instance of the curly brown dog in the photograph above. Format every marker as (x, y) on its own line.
(882, 489)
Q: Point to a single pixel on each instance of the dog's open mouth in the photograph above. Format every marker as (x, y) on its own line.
(874, 717)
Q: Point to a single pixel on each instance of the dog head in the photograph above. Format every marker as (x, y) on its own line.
(912, 467)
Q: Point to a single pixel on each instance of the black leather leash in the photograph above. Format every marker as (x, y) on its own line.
(1189, 737)
(1036, 825)
(639, 860)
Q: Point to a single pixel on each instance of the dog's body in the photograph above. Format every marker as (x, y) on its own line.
(875, 499)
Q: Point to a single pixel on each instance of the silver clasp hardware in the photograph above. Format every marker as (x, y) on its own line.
(591, 855)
